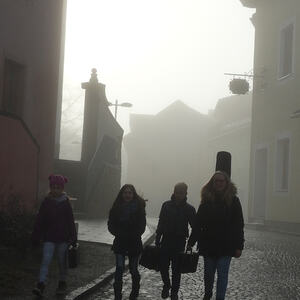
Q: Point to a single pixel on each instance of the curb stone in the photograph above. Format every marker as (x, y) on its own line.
(102, 280)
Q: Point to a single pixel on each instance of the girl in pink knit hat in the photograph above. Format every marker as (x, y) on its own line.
(55, 227)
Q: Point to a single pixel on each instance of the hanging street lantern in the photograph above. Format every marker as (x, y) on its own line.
(239, 86)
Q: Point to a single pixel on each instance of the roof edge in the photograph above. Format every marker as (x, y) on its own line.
(249, 3)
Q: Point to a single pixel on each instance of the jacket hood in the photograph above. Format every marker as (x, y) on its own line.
(183, 201)
(208, 195)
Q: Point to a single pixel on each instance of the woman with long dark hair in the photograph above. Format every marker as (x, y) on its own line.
(219, 230)
(127, 222)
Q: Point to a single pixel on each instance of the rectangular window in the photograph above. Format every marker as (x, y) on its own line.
(282, 164)
(286, 51)
(13, 87)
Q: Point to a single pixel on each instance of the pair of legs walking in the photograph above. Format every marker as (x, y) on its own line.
(166, 260)
(135, 275)
(48, 252)
(211, 265)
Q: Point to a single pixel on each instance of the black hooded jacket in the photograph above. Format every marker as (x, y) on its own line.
(127, 223)
(218, 228)
(174, 220)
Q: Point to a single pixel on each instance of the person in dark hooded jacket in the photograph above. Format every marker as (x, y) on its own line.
(127, 222)
(171, 234)
(55, 227)
(219, 231)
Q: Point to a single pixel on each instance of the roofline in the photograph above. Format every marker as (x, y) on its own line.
(249, 3)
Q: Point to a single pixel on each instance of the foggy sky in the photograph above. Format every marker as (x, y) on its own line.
(151, 53)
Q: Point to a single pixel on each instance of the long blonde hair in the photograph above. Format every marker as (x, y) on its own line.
(208, 192)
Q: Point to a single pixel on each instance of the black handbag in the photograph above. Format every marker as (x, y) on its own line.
(150, 258)
(188, 262)
(73, 256)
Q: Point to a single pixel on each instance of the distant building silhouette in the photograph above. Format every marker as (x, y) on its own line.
(165, 149)
(180, 144)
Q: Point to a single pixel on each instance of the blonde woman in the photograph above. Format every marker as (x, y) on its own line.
(219, 231)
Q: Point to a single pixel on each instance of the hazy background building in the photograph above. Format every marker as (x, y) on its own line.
(231, 132)
(181, 144)
(165, 149)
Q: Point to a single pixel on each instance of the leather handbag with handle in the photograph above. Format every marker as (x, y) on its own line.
(73, 256)
(188, 262)
(150, 258)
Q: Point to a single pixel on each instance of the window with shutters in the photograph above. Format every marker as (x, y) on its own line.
(286, 56)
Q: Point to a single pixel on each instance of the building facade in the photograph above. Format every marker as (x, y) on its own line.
(31, 61)
(275, 142)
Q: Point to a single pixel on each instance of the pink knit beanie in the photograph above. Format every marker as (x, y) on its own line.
(59, 180)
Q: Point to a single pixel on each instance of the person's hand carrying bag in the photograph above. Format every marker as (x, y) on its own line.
(188, 261)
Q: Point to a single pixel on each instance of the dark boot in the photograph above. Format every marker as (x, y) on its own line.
(165, 292)
(62, 288)
(206, 297)
(118, 290)
(39, 289)
(174, 296)
(135, 288)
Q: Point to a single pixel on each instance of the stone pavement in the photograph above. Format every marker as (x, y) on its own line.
(268, 270)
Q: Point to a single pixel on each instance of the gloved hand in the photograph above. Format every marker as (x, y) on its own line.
(238, 253)
(74, 244)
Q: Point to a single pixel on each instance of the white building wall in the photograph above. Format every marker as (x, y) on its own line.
(274, 101)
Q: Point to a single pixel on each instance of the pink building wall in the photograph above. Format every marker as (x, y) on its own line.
(19, 164)
(31, 34)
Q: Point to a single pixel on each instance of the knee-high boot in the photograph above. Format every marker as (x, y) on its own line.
(118, 290)
(135, 287)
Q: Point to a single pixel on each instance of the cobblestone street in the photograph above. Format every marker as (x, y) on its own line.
(269, 270)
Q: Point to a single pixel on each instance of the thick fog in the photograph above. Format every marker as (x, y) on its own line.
(150, 54)
(180, 144)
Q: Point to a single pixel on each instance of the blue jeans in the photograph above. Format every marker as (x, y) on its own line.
(211, 265)
(133, 268)
(48, 251)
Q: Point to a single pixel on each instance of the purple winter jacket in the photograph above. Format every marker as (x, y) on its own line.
(55, 221)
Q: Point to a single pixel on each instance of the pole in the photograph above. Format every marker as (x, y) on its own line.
(116, 109)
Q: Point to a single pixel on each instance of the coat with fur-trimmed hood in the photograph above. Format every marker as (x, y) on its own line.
(219, 223)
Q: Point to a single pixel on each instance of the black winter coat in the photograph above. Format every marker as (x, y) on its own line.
(128, 224)
(219, 228)
(55, 221)
(173, 223)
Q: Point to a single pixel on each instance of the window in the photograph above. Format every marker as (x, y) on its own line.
(282, 164)
(13, 87)
(286, 51)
